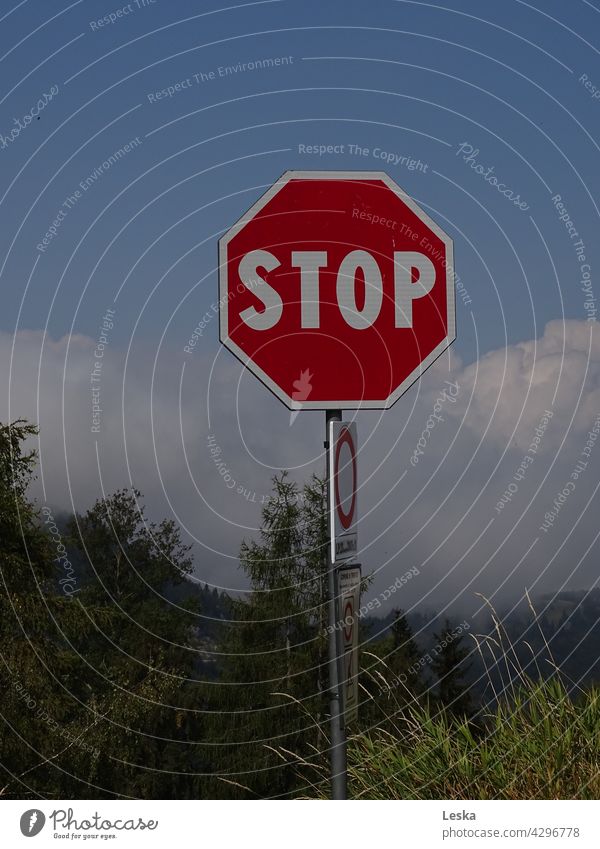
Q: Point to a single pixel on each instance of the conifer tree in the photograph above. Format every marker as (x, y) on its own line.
(272, 688)
(450, 666)
(41, 731)
(405, 659)
(94, 666)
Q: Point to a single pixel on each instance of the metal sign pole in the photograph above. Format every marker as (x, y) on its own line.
(337, 732)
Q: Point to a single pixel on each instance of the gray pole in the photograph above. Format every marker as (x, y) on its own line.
(337, 731)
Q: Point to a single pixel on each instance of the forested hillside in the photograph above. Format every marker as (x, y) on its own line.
(123, 676)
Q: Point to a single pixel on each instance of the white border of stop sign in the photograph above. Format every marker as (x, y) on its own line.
(309, 271)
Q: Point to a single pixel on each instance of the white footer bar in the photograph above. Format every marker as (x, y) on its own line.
(300, 825)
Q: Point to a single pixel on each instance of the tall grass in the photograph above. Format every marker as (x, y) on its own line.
(540, 745)
(536, 741)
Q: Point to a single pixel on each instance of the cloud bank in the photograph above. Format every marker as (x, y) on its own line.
(201, 439)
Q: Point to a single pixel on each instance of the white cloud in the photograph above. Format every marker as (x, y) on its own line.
(500, 402)
(511, 388)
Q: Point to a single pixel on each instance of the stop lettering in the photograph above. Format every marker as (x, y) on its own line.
(328, 308)
(358, 270)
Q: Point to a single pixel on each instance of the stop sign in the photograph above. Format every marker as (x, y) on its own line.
(336, 290)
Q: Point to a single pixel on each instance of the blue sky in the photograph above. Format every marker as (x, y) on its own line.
(402, 78)
(512, 85)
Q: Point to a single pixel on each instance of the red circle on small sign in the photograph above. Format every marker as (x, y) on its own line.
(345, 438)
(348, 628)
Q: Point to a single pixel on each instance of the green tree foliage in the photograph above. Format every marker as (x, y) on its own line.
(96, 666)
(450, 665)
(271, 698)
(114, 686)
(37, 663)
(139, 660)
(130, 563)
(406, 657)
(391, 675)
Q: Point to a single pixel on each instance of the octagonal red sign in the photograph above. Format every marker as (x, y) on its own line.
(336, 290)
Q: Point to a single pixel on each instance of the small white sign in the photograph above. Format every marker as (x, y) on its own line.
(348, 595)
(342, 490)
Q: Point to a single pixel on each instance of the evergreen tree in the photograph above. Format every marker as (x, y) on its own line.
(141, 659)
(391, 673)
(42, 732)
(271, 698)
(95, 665)
(405, 659)
(449, 656)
